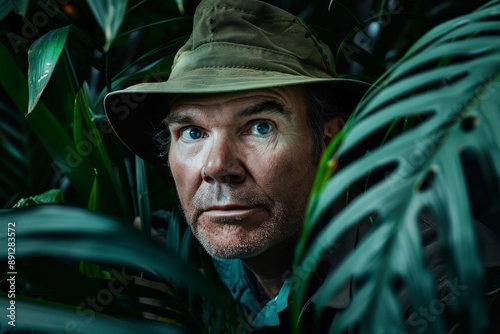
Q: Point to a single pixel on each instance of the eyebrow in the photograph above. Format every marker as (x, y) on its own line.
(270, 107)
(172, 119)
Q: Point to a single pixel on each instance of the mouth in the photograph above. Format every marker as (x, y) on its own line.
(230, 210)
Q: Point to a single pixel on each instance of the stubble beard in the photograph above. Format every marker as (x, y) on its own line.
(281, 225)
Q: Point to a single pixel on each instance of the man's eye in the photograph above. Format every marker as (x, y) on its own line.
(191, 134)
(261, 128)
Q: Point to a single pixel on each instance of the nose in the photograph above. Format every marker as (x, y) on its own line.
(222, 164)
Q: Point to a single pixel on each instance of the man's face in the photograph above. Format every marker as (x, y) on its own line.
(242, 164)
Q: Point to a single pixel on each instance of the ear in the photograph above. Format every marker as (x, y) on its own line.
(331, 128)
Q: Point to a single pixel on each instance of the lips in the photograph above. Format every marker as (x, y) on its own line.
(227, 207)
(230, 210)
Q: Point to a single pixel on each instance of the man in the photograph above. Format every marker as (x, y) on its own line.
(250, 104)
(243, 143)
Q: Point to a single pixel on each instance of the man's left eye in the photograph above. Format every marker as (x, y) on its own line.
(261, 128)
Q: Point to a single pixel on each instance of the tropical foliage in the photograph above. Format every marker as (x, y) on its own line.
(447, 85)
(82, 266)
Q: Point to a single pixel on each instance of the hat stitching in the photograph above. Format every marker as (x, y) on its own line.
(253, 68)
(247, 46)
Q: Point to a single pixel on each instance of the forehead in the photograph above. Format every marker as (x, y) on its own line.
(290, 97)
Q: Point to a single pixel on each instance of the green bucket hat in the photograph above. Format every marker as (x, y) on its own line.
(235, 45)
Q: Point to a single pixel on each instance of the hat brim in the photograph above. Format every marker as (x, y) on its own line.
(136, 113)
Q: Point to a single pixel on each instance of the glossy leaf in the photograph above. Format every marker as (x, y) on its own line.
(42, 56)
(109, 15)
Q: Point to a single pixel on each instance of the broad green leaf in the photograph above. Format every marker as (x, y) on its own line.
(42, 57)
(109, 15)
(20, 6)
(50, 196)
(70, 233)
(5, 8)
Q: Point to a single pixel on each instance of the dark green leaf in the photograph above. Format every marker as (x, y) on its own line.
(42, 56)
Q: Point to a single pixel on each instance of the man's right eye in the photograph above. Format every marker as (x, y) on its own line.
(191, 134)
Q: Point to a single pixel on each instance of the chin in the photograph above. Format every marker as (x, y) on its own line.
(237, 242)
(236, 252)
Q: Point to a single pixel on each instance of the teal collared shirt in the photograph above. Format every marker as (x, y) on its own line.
(260, 313)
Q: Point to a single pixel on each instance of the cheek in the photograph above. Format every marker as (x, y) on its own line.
(184, 174)
(287, 176)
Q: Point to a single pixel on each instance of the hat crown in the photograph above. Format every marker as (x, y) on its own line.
(252, 34)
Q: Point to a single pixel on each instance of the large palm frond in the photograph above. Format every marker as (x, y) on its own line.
(448, 162)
